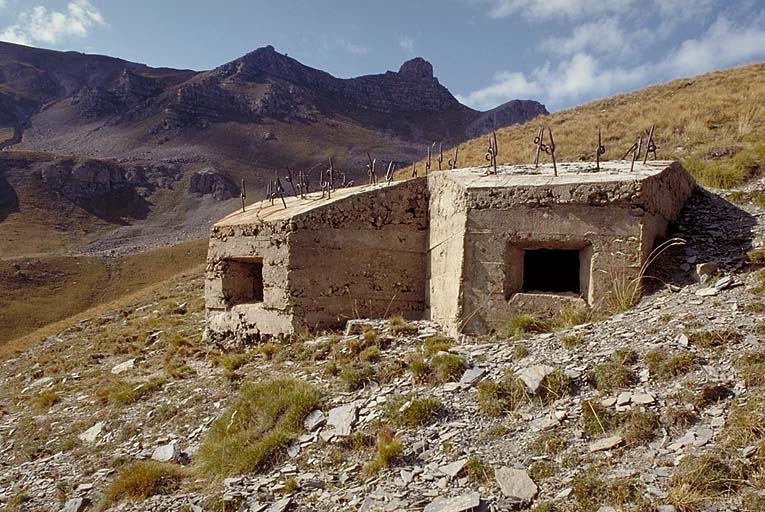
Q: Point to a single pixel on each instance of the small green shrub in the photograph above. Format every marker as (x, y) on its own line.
(590, 492)
(370, 354)
(522, 325)
(541, 470)
(436, 344)
(698, 480)
(477, 471)
(419, 369)
(387, 452)
(45, 399)
(752, 368)
(520, 350)
(446, 367)
(356, 377)
(401, 327)
(122, 393)
(714, 339)
(257, 426)
(548, 443)
(496, 399)
(572, 340)
(596, 419)
(554, 386)
(756, 257)
(637, 428)
(664, 366)
(142, 479)
(416, 412)
(611, 375)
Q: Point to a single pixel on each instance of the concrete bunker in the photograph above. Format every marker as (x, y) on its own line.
(462, 247)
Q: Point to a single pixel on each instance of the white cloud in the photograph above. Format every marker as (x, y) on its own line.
(354, 48)
(406, 44)
(587, 71)
(723, 44)
(537, 9)
(41, 26)
(506, 86)
(2, 4)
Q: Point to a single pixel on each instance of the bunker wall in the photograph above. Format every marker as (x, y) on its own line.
(446, 247)
(363, 256)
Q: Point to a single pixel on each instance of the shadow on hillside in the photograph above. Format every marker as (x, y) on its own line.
(714, 230)
(9, 200)
(119, 207)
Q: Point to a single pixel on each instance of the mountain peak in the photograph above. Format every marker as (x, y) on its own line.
(417, 68)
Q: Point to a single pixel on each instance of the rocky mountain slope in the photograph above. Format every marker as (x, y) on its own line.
(655, 408)
(152, 144)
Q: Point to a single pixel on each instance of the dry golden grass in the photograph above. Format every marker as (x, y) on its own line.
(46, 290)
(693, 116)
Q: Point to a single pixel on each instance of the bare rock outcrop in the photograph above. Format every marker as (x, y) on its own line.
(83, 180)
(210, 181)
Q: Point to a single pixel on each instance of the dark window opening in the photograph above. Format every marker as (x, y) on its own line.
(243, 281)
(551, 270)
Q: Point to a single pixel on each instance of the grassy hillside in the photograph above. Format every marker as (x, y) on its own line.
(36, 291)
(714, 123)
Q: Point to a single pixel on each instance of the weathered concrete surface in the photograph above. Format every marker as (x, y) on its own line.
(324, 261)
(450, 247)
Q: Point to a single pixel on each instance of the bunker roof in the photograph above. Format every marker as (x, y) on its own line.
(541, 181)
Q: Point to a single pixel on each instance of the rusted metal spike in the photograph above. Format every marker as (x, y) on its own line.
(389, 172)
(331, 174)
(414, 169)
(491, 152)
(371, 169)
(243, 194)
(600, 150)
(538, 142)
(440, 154)
(427, 163)
(453, 162)
(280, 190)
(650, 145)
(551, 147)
(289, 180)
(636, 152)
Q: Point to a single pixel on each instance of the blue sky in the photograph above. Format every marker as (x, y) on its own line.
(560, 52)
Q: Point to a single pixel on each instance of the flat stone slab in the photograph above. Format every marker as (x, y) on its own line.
(90, 435)
(454, 468)
(516, 484)
(471, 376)
(342, 419)
(534, 375)
(314, 420)
(169, 452)
(606, 443)
(462, 503)
(124, 366)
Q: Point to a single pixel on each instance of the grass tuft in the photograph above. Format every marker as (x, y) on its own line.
(698, 480)
(142, 479)
(713, 339)
(497, 399)
(387, 452)
(436, 344)
(520, 326)
(416, 412)
(257, 426)
(614, 373)
(664, 366)
(478, 471)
